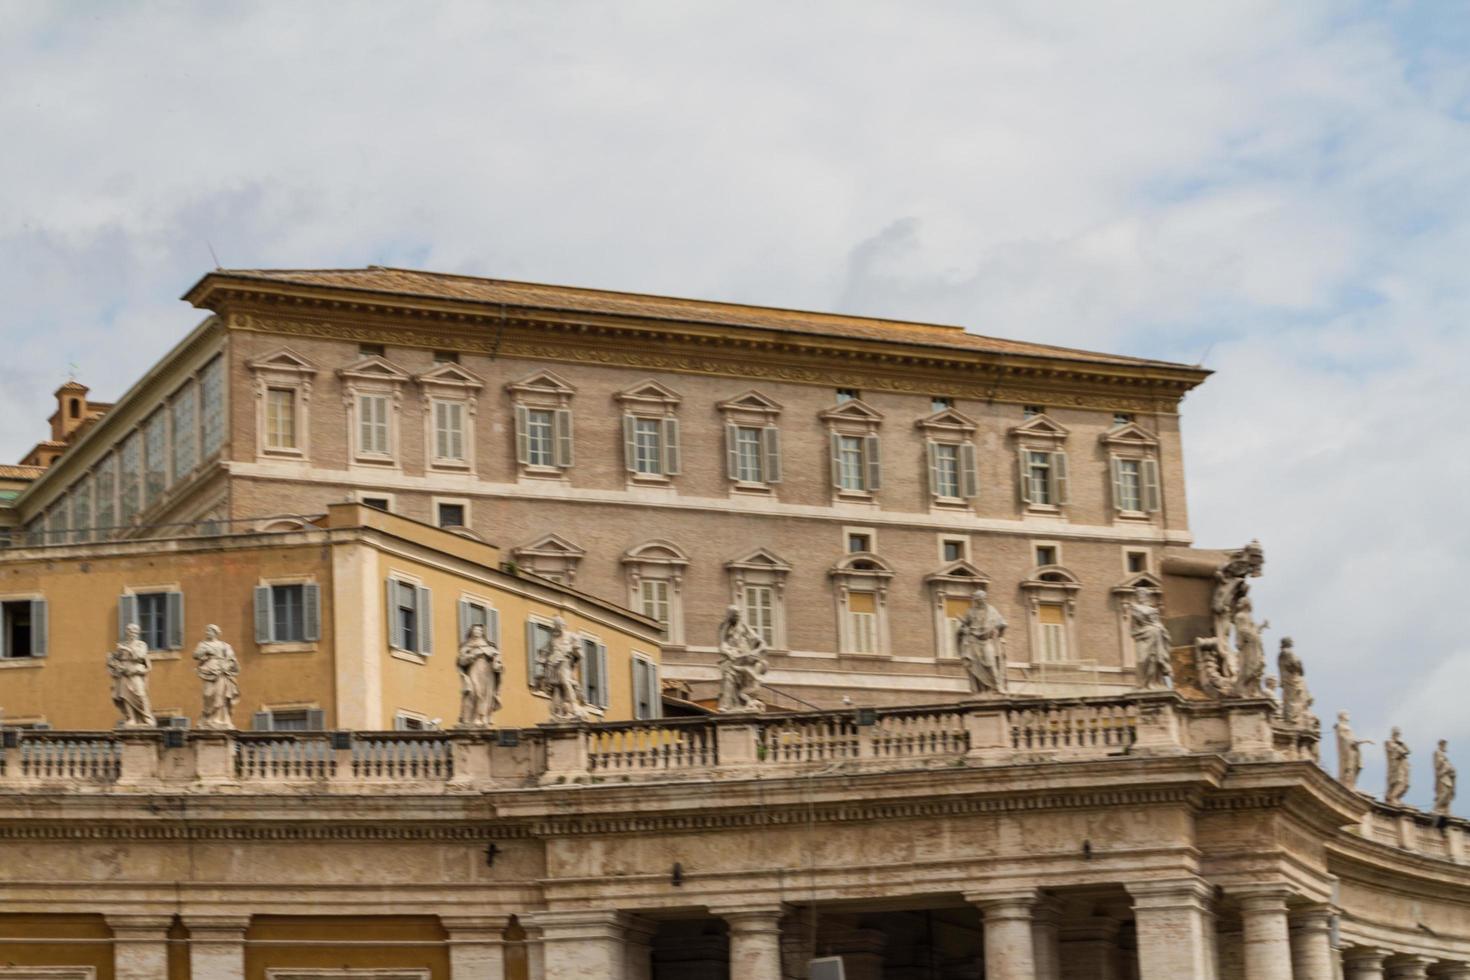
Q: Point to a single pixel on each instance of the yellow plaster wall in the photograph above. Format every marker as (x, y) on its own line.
(330, 938)
(73, 950)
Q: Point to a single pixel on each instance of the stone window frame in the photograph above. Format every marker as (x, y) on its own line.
(551, 557)
(650, 400)
(1042, 433)
(282, 368)
(753, 410)
(644, 673)
(861, 571)
(545, 391)
(464, 502)
(1123, 593)
(374, 375)
(423, 623)
(308, 582)
(855, 418)
(176, 625)
(597, 705)
(762, 567)
(963, 540)
(1130, 441)
(448, 382)
(658, 560)
(955, 580)
(1051, 585)
(951, 428)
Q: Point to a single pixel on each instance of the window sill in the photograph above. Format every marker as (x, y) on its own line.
(949, 503)
(543, 471)
(409, 656)
(866, 656)
(1041, 510)
(1133, 516)
(283, 453)
(451, 465)
(20, 663)
(853, 496)
(155, 656)
(759, 489)
(384, 462)
(287, 647)
(650, 479)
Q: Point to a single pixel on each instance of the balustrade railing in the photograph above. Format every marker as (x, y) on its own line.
(803, 738)
(70, 755)
(652, 746)
(401, 756)
(912, 732)
(283, 756)
(1053, 726)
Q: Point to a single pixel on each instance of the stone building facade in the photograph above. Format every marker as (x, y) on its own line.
(848, 481)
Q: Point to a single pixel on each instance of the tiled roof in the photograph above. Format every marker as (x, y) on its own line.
(438, 285)
(14, 471)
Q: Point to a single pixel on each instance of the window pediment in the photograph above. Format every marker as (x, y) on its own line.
(549, 546)
(1041, 428)
(1129, 436)
(649, 395)
(1136, 581)
(655, 553)
(450, 376)
(959, 573)
(544, 384)
(374, 368)
(760, 559)
(283, 360)
(752, 404)
(862, 563)
(854, 412)
(947, 422)
(1052, 577)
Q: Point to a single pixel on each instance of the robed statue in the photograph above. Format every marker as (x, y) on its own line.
(980, 640)
(1444, 779)
(480, 668)
(129, 666)
(1251, 651)
(217, 667)
(1150, 641)
(561, 673)
(1397, 752)
(1349, 751)
(742, 663)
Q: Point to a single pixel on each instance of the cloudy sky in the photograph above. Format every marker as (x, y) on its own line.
(1281, 190)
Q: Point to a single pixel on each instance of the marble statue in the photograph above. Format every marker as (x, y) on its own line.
(1231, 587)
(1349, 752)
(1294, 697)
(1444, 779)
(1216, 668)
(1150, 641)
(561, 663)
(1249, 650)
(981, 644)
(129, 666)
(218, 667)
(742, 663)
(1397, 752)
(480, 668)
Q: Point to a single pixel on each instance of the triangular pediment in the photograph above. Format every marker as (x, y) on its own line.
(1130, 434)
(750, 401)
(649, 391)
(959, 571)
(543, 381)
(948, 418)
(550, 544)
(853, 410)
(1139, 580)
(283, 359)
(1041, 427)
(374, 368)
(761, 558)
(450, 374)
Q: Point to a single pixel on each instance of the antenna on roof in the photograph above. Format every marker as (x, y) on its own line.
(1201, 361)
(211, 253)
(71, 370)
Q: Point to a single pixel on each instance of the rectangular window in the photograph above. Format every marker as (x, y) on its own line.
(212, 404)
(280, 418)
(23, 628)
(538, 635)
(594, 672)
(151, 610)
(371, 350)
(952, 550)
(1038, 477)
(748, 455)
(1122, 418)
(287, 613)
(446, 357)
(759, 603)
(647, 698)
(850, 460)
(1050, 619)
(653, 599)
(472, 613)
(449, 431)
(1129, 484)
(290, 720)
(946, 469)
(372, 424)
(1136, 561)
(376, 503)
(1031, 411)
(1046, 554)
(859, 541)
(288, 604)
(184, 409)
(405, 615)
(955, 608)
(155, 451)
(938, 403)
(130, 478)
(862, 622)
(451, 515)
(106, 494)
(847, 395)
(647, 446)
(81, 510)
(540, 437)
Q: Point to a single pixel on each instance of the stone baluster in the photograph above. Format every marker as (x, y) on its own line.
(755, 942)
(1264, 933)
(1311, 943)
(139, 946)
(476, 945)
(217, 946)
(1362, 963)
(1009, 951)
(1174, 922)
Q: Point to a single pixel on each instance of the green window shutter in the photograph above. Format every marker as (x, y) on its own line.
(38, 627)
(1115, 465)
(932, 452)
(174, 627)
(732, 451)
(563, 422)
(969, 477)
(523, 439)
(1151, 485)
(265, 628)
(1025, 483)
(671, 447)
(630, 450)
(1059, 476)
(127, 612)
(311, 620)
(771, 443)
(424, 609)
(836, 443)
(875, 467)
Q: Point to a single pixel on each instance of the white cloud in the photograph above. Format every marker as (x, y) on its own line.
(1287, 185)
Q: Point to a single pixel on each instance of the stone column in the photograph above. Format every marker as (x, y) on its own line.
(638, 948)
(535, 951)
(1046, 920)
(139, 946)
(579, 945)
(1008, 949)
(1409, 968)
(217, 946)
(1090, 948)
(476, 946)
(755, 942)
(1453, 971)
(1363, 964)
(1171, 918)
(1311, 943)
(1264, 934)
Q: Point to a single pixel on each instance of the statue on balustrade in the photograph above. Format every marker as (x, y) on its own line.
(1231, 587)
(1150, 641)
(1444, 779)
(129, 666)
(480, 668)
(1397, 752)
(1349, 752)
(218, 667)
(1294, 698)
(561, 670)
(1250, 651)
(981, 644)
(742, 663)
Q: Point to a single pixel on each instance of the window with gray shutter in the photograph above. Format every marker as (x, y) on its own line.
(425, 606)
(872, 459)
(174, 625)
(1059, 476)
(563, 437)
(264, 627)
(523, 440)
(771, 443)
(537, 636)
(1151, 486)
(671, 447)
(127, 612)
(311, 622)
(969, 476)
(39, 626)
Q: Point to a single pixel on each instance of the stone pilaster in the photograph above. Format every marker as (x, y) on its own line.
(217, 946)
(1046, 920)
(755, 942)
(1452, 971)
(476, 945)
(1008, 943)
(1264, 935)
(1172, 918)
(1363, 964)
(583, 944)
(139, 946)
(638, 948)
(1089, 948)
(1311, 943)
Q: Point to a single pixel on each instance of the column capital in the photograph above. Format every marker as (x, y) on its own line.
(1364, 956)
(581, 923)
(1259, 898)
(1452, 971)
(1005, 902)
(215, 926)
(752, 918)
(1312, 917)
(1171, 893)
(135, 925)
(478, 927)
(1408, 967)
